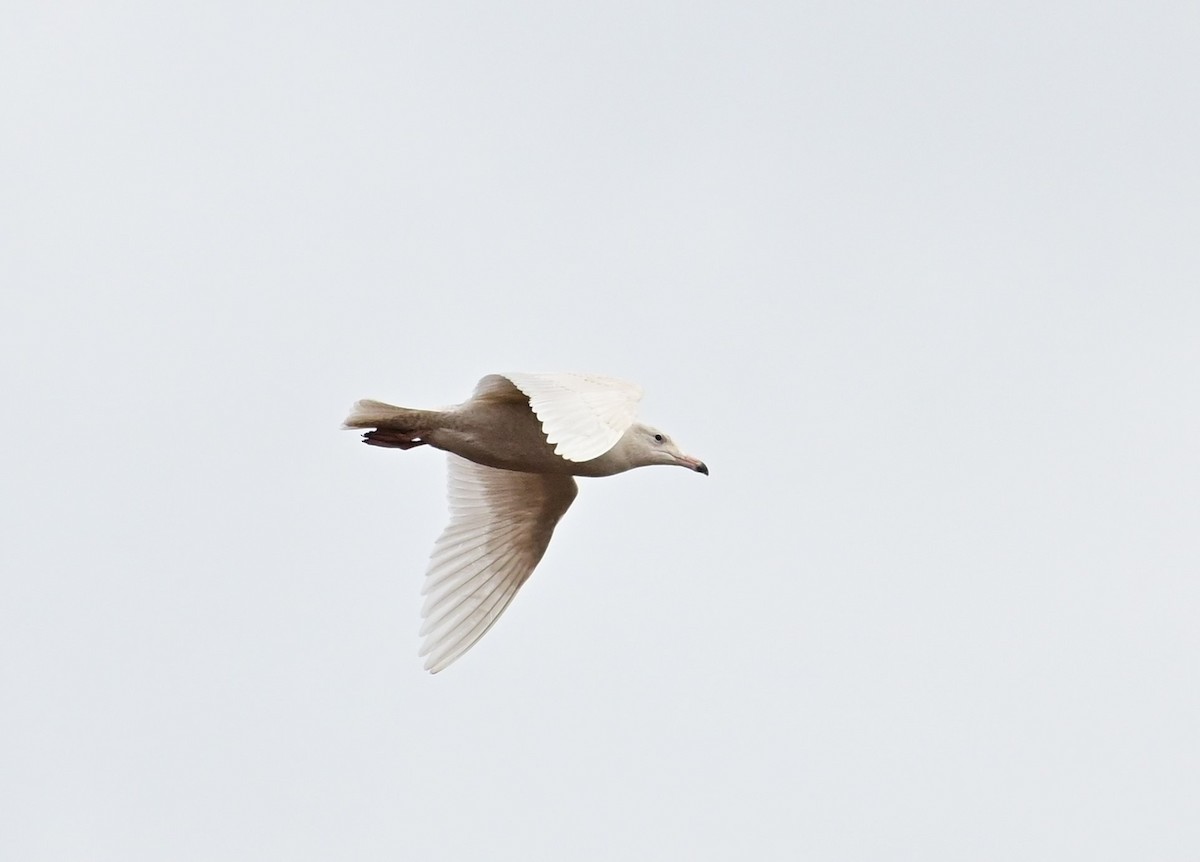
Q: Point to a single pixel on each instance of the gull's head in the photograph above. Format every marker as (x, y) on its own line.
(654, 447)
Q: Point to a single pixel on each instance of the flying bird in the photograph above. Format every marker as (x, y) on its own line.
(514, 449)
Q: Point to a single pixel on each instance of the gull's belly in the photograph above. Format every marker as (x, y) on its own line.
(509, 437)
(506, 436)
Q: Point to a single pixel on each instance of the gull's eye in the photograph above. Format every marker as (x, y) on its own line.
(658, 438)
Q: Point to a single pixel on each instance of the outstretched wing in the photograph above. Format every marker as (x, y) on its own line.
(582, 415)
(500, 524)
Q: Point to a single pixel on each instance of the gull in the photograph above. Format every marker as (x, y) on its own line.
(514, 449)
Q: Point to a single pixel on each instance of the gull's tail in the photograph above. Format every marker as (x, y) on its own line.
(395, 427)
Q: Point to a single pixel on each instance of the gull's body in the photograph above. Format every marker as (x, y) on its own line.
(514, 447)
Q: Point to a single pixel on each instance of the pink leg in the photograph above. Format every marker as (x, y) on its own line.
(393, 439)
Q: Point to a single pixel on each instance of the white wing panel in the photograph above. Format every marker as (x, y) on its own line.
(500, 524)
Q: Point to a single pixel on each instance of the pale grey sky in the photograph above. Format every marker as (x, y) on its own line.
(920, 282)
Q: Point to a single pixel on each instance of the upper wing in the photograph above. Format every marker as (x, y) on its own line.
(500, 524)
(583, 415)
(498, 388)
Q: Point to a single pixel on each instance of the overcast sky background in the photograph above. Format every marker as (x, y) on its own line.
(920, 282)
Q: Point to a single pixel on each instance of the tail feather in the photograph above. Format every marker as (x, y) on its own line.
(376, 414)
(394, 427)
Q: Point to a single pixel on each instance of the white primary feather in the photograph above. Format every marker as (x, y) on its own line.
(582, 415)
(500, 524)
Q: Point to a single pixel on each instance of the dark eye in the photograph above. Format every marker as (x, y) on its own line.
(658, 438)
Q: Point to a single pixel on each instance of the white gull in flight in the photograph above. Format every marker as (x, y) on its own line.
(514, 447)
